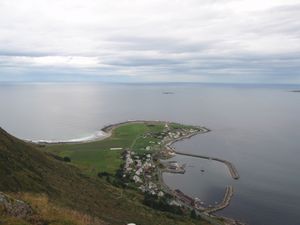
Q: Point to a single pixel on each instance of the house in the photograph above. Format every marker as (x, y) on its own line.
(139, 171)
(137, 179)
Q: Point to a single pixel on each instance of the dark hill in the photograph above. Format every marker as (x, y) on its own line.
(24, 168)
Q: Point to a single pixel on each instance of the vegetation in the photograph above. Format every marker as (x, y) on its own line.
(193, 214)
(26, 169)
(46, 212)
(161, 203)
(180, 126)
(67, 159)
(97, 156)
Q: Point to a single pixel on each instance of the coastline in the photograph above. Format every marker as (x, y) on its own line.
(107, 132)
(232, 169)
(206, 213)
(203, 212)
(86, 139)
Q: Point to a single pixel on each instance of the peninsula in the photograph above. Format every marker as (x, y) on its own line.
(130, 156)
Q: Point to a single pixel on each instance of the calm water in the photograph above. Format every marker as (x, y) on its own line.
(257, 128)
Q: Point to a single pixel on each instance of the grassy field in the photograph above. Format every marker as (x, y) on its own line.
(49, 212)
(95, 157)
(46, 212)
(25, 169)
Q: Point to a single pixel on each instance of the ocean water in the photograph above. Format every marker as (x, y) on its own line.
(255, 127)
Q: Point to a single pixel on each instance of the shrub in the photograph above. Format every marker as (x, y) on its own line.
(67, 159)
(103, 174)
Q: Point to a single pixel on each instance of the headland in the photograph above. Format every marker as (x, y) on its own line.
(142, 144)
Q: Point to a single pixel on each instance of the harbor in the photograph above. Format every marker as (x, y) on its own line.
(225, 202)
(232, 170)
(186, 200)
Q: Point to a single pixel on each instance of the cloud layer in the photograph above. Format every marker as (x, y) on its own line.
(151, 41)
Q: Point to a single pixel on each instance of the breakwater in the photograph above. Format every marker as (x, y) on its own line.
(232, 170)
(225, 202)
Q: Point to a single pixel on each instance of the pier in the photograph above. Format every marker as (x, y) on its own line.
(232, 170)
(226, 201)
(193, 204)
(190, 202)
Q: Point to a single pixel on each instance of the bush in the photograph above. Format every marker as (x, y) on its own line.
(103, 174)
(67, 159)
(193, 214)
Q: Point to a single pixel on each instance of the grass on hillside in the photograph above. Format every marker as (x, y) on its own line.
(95, 157)
(23, 168)
(46, 212)
(51, 213)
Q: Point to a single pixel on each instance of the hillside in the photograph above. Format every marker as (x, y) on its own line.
(25, 169)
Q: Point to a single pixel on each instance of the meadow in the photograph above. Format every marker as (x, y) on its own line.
(97, 156)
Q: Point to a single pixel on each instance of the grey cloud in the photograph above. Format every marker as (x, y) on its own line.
(193, 39)
(25, 53)
(165, 45)
(135, 62)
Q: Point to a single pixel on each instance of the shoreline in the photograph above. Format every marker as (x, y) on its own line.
(233, 171)
(206, 213)
(108, 130)
(70, 141)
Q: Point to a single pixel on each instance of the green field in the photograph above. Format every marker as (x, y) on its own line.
(60, 194)
(95, 157)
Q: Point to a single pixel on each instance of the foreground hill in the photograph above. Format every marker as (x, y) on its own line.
(26, 170)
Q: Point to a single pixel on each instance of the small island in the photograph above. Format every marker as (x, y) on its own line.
(132, 155)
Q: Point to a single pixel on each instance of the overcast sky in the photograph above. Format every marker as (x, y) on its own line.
(251, 41)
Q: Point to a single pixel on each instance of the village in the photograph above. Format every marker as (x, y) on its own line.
(145, 170)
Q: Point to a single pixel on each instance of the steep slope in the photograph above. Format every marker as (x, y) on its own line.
(23, 168)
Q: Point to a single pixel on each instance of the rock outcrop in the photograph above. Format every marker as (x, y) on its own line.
(13, 207)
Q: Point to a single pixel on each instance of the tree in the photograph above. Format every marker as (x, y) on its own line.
(67, 159)
(193, 214)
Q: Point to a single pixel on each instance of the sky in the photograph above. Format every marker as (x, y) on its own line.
(222, 41)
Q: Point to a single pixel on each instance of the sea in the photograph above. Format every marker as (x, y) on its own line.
(256, 127)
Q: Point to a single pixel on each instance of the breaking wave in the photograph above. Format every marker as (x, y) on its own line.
(95, 136)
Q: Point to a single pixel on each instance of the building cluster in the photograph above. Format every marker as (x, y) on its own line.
(187, 200)
(142, 171)
(175, 167)
(180, 133)
(139, 169)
